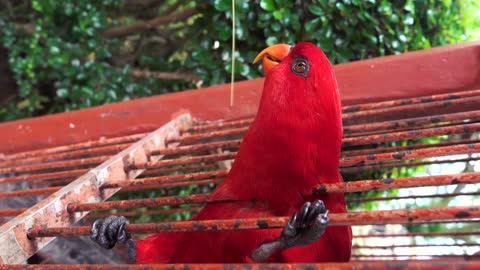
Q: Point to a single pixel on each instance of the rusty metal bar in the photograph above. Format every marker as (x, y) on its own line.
(65, 164)
(43, 176)
(151, 202)
(365, 185)
(195, 137)
(409, 107)
(411, 123)
(164, 179)
(29, 192)
(357, 265)
(219, 125)
(443, 195)
(17, 247)
(197, 148)
(77, 146)
(181, 161)
(413, 134)
(352, 218)
(419, 234)
(382, 149)
(418, 246)
(408, 101)
(183, 168)
(172, 185)
(110, 149)
(406, 182)
(12, 212)
(410, 154)
(382, 166)
(144, 212)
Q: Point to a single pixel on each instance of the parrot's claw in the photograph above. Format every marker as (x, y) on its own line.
(303, 228)
(112, 230)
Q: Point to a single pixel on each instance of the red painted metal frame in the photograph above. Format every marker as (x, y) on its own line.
(52, 211)
(434, 71)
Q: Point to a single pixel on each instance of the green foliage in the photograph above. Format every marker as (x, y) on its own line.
(66, 64)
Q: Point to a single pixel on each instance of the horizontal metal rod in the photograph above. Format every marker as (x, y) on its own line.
(412, 134)
(389, 111)
(405, 182)
(409, 123)
(64, 165)
(144, 212)
(43, 176)
(181, 161)
(75, 154)
(212, 134)
(417, 246)
(352, 218)
(76, 146)
(364, 185)
(219, 125)
(197, 148)
(29, 192)
(350, 161)
(383, 166)
(172, 185)
(410, 101)
(420, 234)
(357, 265)
(165, 179)
(442, 195)
(181, 168)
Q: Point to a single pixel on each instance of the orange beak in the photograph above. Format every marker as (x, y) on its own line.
(272, 56)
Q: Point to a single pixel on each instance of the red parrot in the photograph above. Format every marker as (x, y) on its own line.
(292, 146)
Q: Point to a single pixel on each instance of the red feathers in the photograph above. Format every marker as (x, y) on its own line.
(292, 145)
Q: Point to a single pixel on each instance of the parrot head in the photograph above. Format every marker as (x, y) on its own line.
(300, 92)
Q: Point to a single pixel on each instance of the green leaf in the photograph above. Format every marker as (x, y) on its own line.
(268, 5)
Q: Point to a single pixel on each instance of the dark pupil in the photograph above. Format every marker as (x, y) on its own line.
(300, 67)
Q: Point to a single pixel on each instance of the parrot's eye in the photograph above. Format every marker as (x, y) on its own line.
(300, 66)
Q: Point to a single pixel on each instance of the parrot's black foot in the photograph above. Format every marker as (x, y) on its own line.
(112, 230)
(303, 228)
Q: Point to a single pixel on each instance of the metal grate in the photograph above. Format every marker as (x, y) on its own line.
(77, 180)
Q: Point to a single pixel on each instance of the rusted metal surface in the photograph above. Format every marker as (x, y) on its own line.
(406, 182)
(197, 148)
(184, 168)
(181, 161)
(411, 123)
(386, 149)
(64, 164)
(52, 210)
(165, 179)
(357, 265)
(365, 185)
(392, 112)
(417, 196)
(410, 101)
(144, 212)
(352, 218)
(43, 176)
(211, 134)
(383, 166)
(110, 149)
(151, 202)
(415, 134)
(219, 125)
(411, 154)
(422, 234)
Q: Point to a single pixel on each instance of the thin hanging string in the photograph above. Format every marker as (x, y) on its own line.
(232, 78)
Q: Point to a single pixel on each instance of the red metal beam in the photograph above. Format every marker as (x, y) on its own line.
(435, 71)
